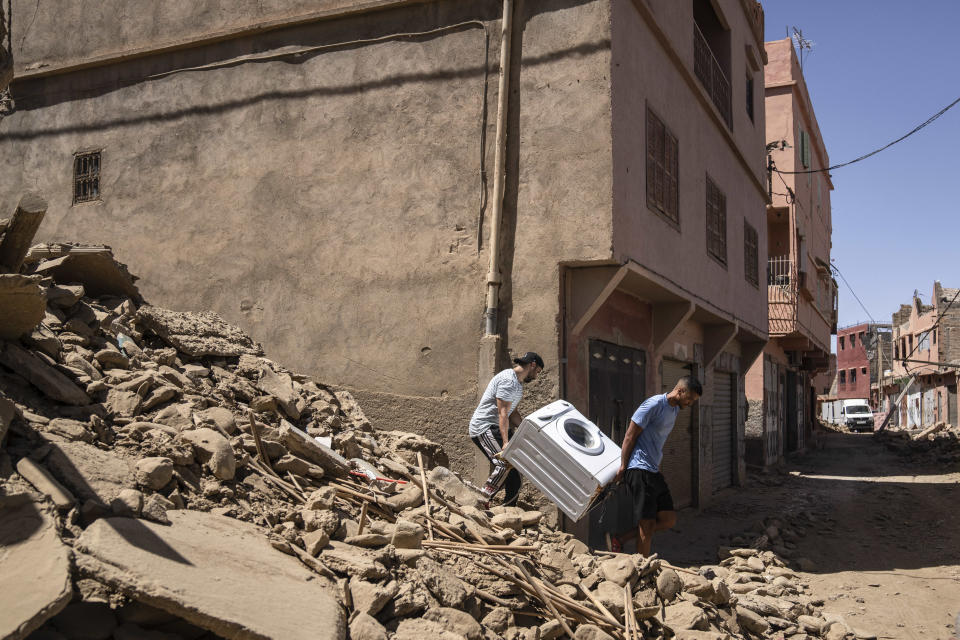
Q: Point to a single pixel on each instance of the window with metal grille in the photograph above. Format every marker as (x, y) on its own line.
(751, 256)
(662, 163)
(716, 222)
(86, 177)
(843, 377)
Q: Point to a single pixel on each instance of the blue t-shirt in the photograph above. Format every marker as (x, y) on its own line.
(656, 417)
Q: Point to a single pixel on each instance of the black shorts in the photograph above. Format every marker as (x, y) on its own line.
(640, 495)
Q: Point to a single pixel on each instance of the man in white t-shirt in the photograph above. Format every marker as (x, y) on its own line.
(495, 418)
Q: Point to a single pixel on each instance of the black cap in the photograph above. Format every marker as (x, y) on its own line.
(529, 357)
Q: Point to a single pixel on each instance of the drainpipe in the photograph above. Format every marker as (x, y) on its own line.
(493, 273)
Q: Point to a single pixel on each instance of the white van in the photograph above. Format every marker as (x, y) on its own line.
(857, 415)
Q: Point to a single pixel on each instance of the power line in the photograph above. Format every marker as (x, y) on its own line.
(884, 147)
(833, 265)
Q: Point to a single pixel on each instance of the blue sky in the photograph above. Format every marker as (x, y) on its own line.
(877, 69)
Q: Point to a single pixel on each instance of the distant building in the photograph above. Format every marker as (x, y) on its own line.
(860, 349)
(930, 350)
(801, 294)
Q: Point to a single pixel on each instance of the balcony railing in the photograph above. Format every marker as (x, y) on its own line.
(708, 70)
(781, 295)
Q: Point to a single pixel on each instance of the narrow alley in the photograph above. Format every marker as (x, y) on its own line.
(886, 552)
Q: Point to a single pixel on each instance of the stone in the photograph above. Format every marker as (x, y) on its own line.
(86, 621)
(195, 371)
(45, 341)
(531, 518)
(76, 361)
(73, 430)
(365, 627)
(456, 621)
(173, 568)
(751, 621)
(48, 380)
(214, 450)
(8, 411)
(407, 535)
(110, 359)
(419, 628)
(551, 630)
(721, 592)
(756, 564)
(686, 615)
(811, 624)
(302, 445)
(315, 541)
(507, 521)
(158, 396)
(154, 473)
(698, 586)
(289, 462)
(44, 482)
(122, 403)
(155, 509)
(620, 570)
(448, 589)
(34, 565)
(129, 503)
(346, 559)
(690, 634)
(669, 584)
(370, 598)
(280, 387)
(220, 417)
(321, 499)
(22, 305)
(64, 296)
(368, 540)
(88, 472)
(611, 595)
(498, 619)
(452, 487)
(591, 632)
(410, 497)
(197, 334)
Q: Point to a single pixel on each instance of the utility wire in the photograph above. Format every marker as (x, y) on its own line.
(834, 266)
(884, 147)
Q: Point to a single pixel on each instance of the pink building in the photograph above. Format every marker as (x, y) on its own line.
(801, 293)
(926, 342)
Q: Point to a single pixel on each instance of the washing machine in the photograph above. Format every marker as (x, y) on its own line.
(564, 455)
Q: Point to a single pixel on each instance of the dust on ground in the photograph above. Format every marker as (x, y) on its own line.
(886, 552)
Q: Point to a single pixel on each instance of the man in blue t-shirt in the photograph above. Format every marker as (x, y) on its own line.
(642, 452)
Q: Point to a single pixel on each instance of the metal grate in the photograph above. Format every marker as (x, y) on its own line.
(707, 69)
(662, 163)
(716, 222)
(86, 177)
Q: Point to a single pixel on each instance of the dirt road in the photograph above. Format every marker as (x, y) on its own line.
(887, 556)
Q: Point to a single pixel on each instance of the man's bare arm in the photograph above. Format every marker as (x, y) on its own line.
(503, 415)
(629, 440)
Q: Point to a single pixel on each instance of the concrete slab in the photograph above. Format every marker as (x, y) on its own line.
(197, 334)
(216, 572)
(22, 305)
(88, 472)
(34, 567)
(16, 238)
(51, 382)
(92, 266)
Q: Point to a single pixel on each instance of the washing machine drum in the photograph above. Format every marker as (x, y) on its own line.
(583, 436)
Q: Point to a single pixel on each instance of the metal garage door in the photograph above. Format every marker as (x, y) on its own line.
(677, 464)
(724, 430)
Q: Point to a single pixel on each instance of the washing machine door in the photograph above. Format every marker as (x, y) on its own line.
(582, 435)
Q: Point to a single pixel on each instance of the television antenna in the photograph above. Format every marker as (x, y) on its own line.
(801, 43)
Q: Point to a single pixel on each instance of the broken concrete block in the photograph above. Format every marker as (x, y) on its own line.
(315, 541)
(93, 266)
(44, 340)
(22, 305)
(197, 334)
(64, 296)
(347, 559)
(366, 627)
(123, 403)
(128, 503)
(620, 570)
(280, 387)
(419, 628)
(321, 499)
(301, 444)
(8, 411)
(370, 598)
(34, 565)
(172, 568)
(686, 615)
(407, 535)
(18, 236)
(222, 417)
(154, 473)
(409, 497)
(110, 359)
(453, 488)
(155, 509)
(51, 382)
(214, 450)
(456, 621)
(591, 632)
(88, 472)
(44, 482)
(448, 589)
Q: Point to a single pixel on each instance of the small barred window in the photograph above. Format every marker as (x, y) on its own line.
(86, 177)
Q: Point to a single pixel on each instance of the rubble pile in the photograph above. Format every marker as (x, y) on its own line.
(162, 479)
(939, 444)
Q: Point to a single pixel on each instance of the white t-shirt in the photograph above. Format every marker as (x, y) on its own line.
(504, 386)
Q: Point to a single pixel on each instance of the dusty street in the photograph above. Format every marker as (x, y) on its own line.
(888, 562)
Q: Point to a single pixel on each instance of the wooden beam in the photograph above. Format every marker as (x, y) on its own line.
(716, 337)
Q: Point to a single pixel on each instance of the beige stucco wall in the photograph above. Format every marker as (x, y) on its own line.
(330, 205)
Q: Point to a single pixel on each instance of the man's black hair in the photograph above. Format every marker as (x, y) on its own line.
(691, 384)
